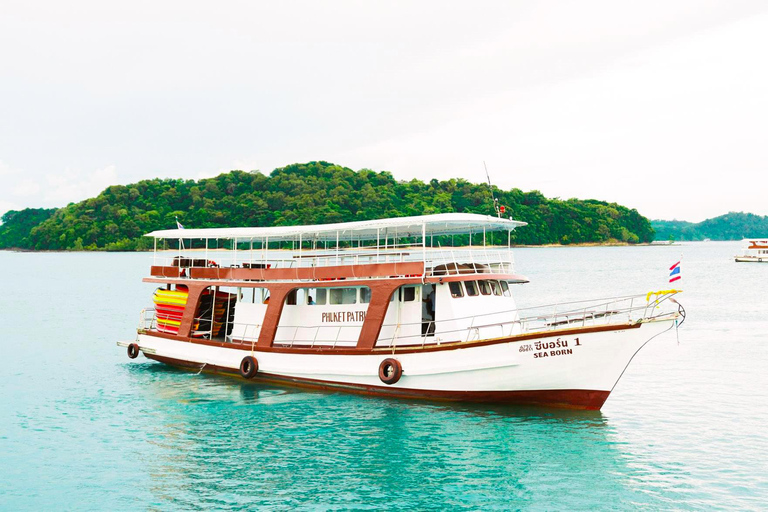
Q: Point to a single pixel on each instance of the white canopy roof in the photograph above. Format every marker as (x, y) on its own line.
(438, 224)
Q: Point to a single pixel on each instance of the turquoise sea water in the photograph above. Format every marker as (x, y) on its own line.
(82, 427)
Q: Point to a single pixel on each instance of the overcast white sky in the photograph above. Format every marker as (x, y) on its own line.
(661, 106)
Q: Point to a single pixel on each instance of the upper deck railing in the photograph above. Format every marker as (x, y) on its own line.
(437, 262)
(473, 239)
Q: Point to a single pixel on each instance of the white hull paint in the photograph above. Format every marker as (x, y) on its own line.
(595, 362)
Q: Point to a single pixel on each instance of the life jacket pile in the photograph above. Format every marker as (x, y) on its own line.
(169, 306)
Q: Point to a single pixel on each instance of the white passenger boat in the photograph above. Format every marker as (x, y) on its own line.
(413, 307)
(754, 250)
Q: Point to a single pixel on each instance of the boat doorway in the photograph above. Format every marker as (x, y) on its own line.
(214, 313)
(428, 310)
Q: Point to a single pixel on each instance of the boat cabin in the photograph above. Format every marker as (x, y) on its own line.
(365, 285)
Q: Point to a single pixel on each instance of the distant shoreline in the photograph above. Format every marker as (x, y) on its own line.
(542, 246)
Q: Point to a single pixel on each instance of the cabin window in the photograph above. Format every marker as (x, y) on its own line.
(343, 295)
(456, 290)
(485, 288)
(252, 295)
(365, 295)
(495, 287)
(505, 289)
(309, 296)
(349, 295)
(409, 294)
(471, 288)
(306, 296)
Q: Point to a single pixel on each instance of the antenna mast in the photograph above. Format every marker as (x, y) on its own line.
(490, 187)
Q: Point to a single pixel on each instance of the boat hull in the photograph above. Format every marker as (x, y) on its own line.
(577, 368)
(751, 259)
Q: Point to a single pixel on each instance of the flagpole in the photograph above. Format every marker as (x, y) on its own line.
(181, 240)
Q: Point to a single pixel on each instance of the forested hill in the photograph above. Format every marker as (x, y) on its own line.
(731, 226)
(312, 193)
(17, 225)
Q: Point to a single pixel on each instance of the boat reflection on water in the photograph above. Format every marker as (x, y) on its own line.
(241, 442)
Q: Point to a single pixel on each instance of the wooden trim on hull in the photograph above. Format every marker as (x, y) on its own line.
(563, 398)
(396, 350)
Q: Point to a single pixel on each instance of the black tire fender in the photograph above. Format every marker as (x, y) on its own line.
(390, 371)
(133, 350)
(249, 366)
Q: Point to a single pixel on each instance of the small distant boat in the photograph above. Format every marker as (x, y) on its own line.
(755, 250)
(387, 307)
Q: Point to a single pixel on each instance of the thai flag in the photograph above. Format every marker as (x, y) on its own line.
(674, 273)
(178, 224)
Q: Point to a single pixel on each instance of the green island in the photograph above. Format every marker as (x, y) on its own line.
(731, 226)
(310, 193)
